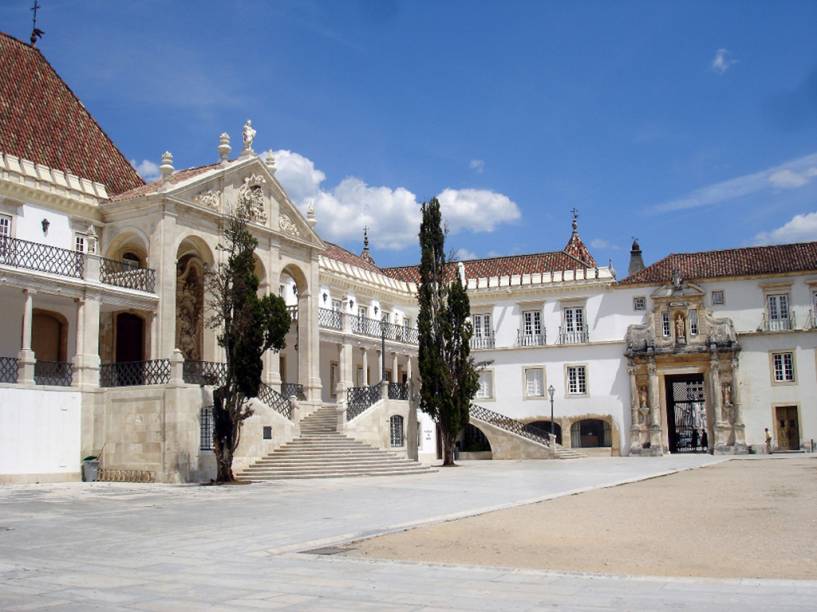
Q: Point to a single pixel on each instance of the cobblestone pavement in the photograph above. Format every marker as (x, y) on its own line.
(154, 547)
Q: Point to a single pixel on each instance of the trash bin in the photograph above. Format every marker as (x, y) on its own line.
(90, 467)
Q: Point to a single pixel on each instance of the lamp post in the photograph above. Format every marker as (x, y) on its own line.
(551, 391)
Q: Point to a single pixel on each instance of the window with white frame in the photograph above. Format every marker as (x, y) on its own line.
(385, 316)
(534, 382)
(783, 364)
(80, 243)
(486, 385)
(717, 297)
(576, 380)
(337, 305)
(362, 311)
(574, 319)
(482, 325)
(778, 310)
(639, 303)
(5, 226)
(533, 322)
(693, 322)
(665, 324)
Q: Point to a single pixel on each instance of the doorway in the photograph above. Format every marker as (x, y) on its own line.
(130, 337)
(686, 414)
(787, 424)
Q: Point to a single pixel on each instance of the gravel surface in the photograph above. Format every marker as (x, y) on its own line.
(754, 518)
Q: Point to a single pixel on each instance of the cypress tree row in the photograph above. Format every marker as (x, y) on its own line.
(449, 378)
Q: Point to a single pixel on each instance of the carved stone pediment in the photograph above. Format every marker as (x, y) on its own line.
(287, 225)
(209, 199)
(251, 196)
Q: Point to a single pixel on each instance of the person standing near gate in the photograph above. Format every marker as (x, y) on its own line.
(768, 441)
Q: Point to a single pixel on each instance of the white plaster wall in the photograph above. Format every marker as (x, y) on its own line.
(28, 226)
(428, 436)
(759, 394)
(39, 434)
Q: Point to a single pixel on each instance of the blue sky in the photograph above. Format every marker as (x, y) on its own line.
(692, 126)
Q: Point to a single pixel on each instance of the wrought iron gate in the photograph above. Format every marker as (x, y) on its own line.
(686, 406)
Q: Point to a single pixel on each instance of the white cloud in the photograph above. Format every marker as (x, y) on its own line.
(601, 243)
(392, 214)
(722, 61)
(147, 169)
(477, 165)
(462, 254)
(789, 175)
(801, 228)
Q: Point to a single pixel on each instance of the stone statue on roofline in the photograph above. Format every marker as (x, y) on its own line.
(248, 133)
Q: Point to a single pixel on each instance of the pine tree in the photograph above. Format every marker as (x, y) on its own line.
(247, 326)
(449, 379)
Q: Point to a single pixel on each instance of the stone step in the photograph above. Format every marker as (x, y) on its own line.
(323, 461)
(316, 472)
(261, 478)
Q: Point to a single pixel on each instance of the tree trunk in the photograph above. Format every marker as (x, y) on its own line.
(448, 450)
(224, 461)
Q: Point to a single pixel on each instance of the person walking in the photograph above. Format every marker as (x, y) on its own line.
(768, 441)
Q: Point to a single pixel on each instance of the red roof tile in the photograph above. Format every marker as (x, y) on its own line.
(500, 266)
(748, 261)
(333, 251)
(43, 121)
(177, 177)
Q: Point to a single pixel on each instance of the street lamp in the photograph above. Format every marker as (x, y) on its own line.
(551, 392)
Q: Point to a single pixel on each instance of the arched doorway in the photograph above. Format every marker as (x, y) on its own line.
(193, 259)
(130, 337)
(591, 433)
(542, 428)
(474, 441)
(49, 335)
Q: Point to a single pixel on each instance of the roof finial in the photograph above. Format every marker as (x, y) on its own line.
(575, 224)
(311, 219)
(166, 167)
(36, 33)
(224, 147)
(365, 253)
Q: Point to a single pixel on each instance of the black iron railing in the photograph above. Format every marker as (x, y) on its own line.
(333, 319)
(206, 428)
(524, 338)
(398, 391)
(358, 399)
(573, 336)
(508, 424)
(275, 400)
(374, 328)
(482, 342)
(366, 326)
(57, 373)
(8, 369)
(135, 373)
(127, 274)
(41, 257)
(204, 372)
(785, 321)
(290, 389)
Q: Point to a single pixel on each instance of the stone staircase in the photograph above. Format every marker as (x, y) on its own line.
(322, 452)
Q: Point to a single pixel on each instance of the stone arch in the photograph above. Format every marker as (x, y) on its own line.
(49, 335)
(594, 425)
(131, 245)
(474, 440)
(542, 427)
(261, 272)
(193, 259)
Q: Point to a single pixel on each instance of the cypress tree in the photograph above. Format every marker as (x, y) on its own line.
(449, 379)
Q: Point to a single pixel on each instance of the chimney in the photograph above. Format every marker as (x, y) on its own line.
(636, 261)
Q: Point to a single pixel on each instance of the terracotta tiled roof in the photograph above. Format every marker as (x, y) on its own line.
(500, 266)
(576, 247)
(333, 251)
(43, 121)
(177, 177)
(748, 261)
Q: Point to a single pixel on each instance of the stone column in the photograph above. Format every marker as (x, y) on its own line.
(25, 358)
(340, 386)
(409, 372)
(719, 426)
(162, 258)
(313, 364)
(380, 372)
(656, 441)
(635, 429)
(394, 367)
(86, 360)
(740, 428)
(365, 353)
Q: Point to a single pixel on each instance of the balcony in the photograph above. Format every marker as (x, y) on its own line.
(482, 343)
(573, 336)
(524, 338)
(777, 324)
(333, 319)
(364, 326)
(74, 264)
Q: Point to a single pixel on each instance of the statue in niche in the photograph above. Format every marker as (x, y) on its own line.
(251, 197)
(680, 328)
(189, 307)
(727, 394)
(643, 404)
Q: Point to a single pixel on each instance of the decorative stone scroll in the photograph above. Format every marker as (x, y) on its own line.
(209, 199)
(251, 196)
(287, 225)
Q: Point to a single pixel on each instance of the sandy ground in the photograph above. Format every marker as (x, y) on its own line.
(742, 518)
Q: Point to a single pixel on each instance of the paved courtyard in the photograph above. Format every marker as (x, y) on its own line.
(155, 547)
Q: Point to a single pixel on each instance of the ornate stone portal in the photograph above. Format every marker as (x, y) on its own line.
(190, 307)
(682, 340)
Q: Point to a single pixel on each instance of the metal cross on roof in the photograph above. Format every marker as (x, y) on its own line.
(36, 33)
